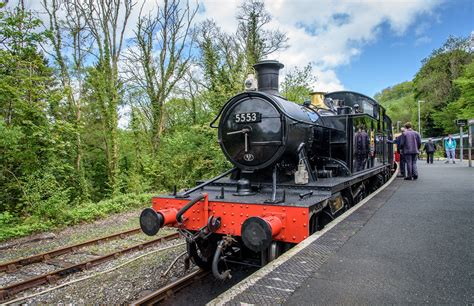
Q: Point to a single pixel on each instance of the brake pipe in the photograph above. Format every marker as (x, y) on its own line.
(215, 262)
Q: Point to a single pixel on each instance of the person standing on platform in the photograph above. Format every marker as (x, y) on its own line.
(430, 148)
(450, 147)
(411, 144)
(400, 151)
(361, 148)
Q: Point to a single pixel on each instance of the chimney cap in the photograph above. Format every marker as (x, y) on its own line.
(267, 76)
(268, 62)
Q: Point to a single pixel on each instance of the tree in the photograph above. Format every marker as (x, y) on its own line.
(106, 22)
(399, 102)
(222, 62)
(258, 42)
(465, 84)
(162, 56)
(226, 59)
(434, 84)
(297, 84)
(32, 147)
(70, 41)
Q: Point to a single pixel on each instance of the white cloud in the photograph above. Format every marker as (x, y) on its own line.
(422, 40)
(328, 33)
(222, 12)
(327, 81)
(422, 28)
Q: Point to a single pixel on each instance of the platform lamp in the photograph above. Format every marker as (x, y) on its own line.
(419, 117)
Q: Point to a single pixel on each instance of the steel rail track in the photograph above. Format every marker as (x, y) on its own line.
(52, 277)
(166, 291)
(12, 266)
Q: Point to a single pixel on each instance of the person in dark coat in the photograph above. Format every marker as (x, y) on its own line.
(361, 146)
(411, 144)
(430, 148)
(403, 164)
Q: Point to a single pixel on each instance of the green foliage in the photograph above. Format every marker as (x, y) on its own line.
(222, 61)
(47, 199)
(88, 212)
(187, 155)
(19, 31)
(399, 102)
(444, 83)
(252, 33)
(296, 86)
(434, 83)
(465, 85)
(11, 227)
(30, 142)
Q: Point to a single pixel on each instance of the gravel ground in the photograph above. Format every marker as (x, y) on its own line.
(122, 285)
(43, 242)
(208, 288)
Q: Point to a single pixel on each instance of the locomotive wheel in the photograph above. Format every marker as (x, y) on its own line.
(347, 203)
(274, 251)
(362, 195)
(315, 223)
(377, 182)
(202, 251)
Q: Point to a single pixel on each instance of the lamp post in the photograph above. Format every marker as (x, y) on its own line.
(419, 117)
(398, 126)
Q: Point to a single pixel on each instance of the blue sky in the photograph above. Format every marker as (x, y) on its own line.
(393, 58)
(360, 45)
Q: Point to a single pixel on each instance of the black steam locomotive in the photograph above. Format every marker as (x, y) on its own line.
(297, 167)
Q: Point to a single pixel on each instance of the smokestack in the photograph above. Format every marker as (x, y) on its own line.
(267, 76)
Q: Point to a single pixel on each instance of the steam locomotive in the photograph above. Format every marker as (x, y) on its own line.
(296, 168)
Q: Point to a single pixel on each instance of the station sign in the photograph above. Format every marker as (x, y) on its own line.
(461, 122)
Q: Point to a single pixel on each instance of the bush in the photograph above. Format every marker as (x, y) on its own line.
(188, 155)
(11, 226)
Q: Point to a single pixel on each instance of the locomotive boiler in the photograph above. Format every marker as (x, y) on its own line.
(296, 168)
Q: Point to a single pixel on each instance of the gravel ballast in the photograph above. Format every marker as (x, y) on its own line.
(122, 285)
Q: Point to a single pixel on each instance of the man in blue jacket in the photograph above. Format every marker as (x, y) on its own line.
(450, 147)
(411, 144)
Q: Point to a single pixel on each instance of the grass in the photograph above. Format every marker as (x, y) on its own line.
(13, 227)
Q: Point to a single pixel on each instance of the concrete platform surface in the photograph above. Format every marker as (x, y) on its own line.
(411, 243)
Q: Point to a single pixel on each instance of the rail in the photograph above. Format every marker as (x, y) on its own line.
(12, 266)
(166, 291)
(52, 277)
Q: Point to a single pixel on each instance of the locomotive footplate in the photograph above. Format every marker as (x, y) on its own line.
(291, 214)
(290, 217)
(321, 186)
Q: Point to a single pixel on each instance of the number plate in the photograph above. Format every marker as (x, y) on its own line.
(248, 117)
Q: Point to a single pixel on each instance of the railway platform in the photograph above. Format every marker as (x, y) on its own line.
(413, 242)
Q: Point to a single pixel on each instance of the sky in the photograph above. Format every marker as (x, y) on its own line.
(359, 45)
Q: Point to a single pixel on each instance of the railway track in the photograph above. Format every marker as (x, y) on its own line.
(12, 266)
(8, 292)
(168, 290)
